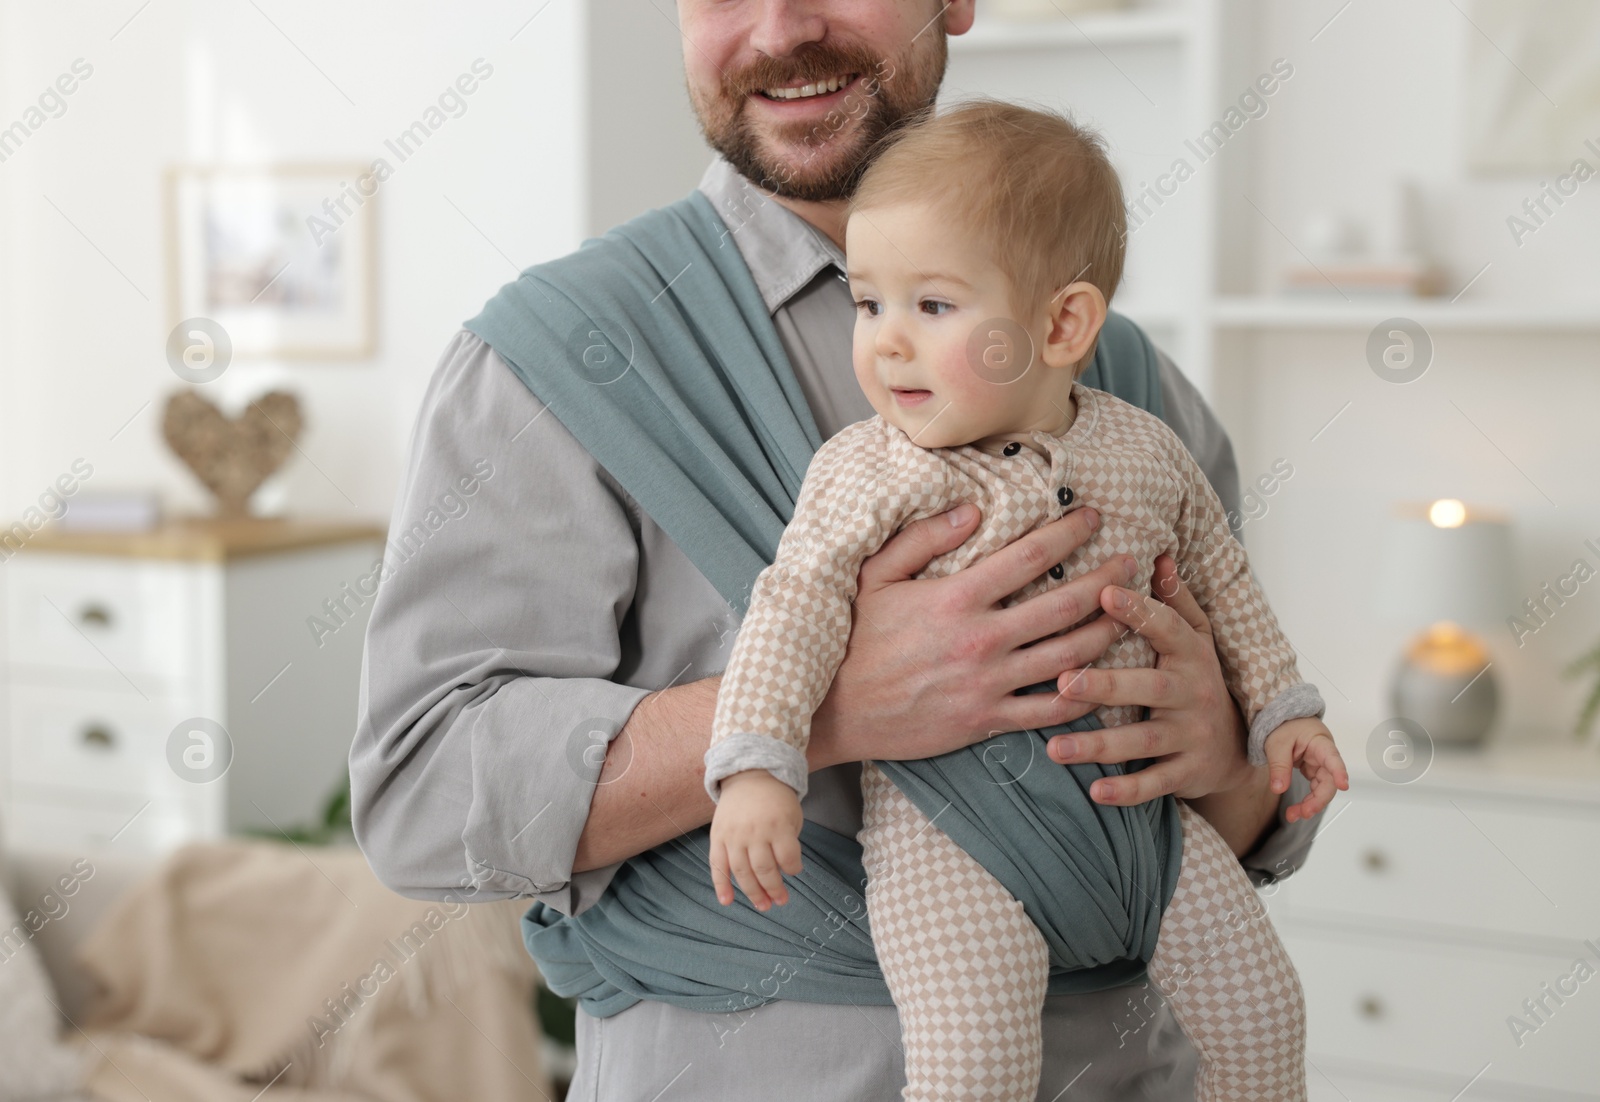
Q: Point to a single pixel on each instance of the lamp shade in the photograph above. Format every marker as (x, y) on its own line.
(1458, 570)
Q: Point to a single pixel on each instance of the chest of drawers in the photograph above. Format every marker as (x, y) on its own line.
(1447, 930)
(182, 683)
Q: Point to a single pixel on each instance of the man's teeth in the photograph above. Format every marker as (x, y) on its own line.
(822, 88)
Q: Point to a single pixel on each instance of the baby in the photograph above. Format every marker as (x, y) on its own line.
(987, 227)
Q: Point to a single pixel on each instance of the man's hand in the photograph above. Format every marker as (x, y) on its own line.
(933, 664)
(1308, 745)
(755, 832)
(1194, 731)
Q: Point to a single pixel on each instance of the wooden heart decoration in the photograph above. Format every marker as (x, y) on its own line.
(233, 456)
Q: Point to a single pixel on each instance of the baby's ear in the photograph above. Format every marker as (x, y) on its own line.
(1076, 314)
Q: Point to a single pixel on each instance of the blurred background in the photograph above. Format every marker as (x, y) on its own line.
(1367, 232)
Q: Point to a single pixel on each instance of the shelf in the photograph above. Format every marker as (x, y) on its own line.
(1101, 29)
(1268, 312)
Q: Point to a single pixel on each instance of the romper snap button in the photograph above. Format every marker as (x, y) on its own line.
(1064, 495)
(1057, 571)
(1012, 448)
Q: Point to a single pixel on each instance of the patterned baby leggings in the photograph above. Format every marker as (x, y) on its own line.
(967, 968)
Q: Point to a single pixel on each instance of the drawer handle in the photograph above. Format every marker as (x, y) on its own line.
(1375, 860)
(99, 737)
(1371, 1007)
(95, 616)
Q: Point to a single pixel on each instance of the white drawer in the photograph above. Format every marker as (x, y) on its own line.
(107, 616)
(96, 740)
(1443, 1010)
(1501, 865)
(140, 826)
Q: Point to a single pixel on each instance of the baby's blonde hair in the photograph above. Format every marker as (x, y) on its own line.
(1034, 185)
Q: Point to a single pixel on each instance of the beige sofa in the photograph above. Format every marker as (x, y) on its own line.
(31, 879)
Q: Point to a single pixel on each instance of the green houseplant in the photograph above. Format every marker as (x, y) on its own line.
(1589, 661)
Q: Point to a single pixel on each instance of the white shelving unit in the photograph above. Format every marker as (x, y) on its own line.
(1267, 312)
(1135, 27)
(1414, 937)
(1143, 77)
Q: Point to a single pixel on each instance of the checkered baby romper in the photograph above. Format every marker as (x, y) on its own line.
(966, 967)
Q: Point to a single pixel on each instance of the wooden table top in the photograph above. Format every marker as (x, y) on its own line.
(207, 539)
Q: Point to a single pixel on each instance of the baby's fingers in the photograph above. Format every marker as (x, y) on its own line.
(763, 862)
(739, 858)
(719, 873)
(1322, 790)
(787, 851)
(1324, 755)
(1280, 763)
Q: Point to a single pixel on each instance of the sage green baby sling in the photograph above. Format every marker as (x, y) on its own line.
(652, 345)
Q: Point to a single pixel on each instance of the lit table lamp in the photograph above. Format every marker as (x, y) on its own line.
(1447, 569)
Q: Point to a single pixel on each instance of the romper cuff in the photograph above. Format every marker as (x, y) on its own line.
(1298, 701)
(744, 750)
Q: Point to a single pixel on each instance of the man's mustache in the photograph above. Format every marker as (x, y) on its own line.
(808, 66)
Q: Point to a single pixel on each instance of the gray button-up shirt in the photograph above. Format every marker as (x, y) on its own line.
(529, 603)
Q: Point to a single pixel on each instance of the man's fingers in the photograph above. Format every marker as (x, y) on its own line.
(1166, 629)
(1148, 739)
(1019, 562)
(1058, 608)
(1136, 788)
(1135, 685)
(1031, 711)
(916, 545)
(1168, 587)
(1048, 658)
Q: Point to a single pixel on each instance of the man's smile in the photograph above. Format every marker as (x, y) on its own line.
(805, 96)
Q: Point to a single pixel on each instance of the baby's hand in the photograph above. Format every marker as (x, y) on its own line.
(1308, 744)
(755, 831)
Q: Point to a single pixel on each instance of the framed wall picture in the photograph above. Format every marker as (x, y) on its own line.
(283, 257)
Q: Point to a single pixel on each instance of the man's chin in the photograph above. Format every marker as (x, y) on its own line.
(800, 170)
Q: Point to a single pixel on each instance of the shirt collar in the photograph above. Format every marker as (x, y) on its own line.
(783, 251)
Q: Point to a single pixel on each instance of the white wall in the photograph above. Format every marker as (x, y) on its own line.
(1378, 96)
(218, 82)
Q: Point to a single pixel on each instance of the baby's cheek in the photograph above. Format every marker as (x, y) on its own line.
(962, 384)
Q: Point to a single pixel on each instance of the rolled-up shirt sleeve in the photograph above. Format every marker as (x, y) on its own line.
(1285, 846)
(486, 702)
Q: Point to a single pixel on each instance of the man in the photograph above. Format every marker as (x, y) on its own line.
(544, 605)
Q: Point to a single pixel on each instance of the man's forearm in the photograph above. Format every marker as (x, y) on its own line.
(652, 785)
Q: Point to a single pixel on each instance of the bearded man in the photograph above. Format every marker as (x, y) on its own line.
(539, 680)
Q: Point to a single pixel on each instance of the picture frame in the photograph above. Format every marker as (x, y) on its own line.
(283, 257)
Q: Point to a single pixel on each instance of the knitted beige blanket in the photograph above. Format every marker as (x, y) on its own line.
(240, 965)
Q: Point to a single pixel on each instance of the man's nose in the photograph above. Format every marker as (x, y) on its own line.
(782, 25)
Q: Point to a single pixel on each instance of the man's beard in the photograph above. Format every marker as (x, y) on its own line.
(842, 143)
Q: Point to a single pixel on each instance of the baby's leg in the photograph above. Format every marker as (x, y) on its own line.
(966, 965)
(1229, 982)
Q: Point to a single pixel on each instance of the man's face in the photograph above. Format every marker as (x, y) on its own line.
(844, 72)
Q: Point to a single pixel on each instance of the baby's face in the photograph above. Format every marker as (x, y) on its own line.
(936, 348)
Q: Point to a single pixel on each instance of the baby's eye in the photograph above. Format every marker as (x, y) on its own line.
(867, 302)
(927, 302)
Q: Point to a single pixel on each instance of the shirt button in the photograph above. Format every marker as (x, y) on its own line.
(1064, 495)
(1057, 571)
(1012, 448)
